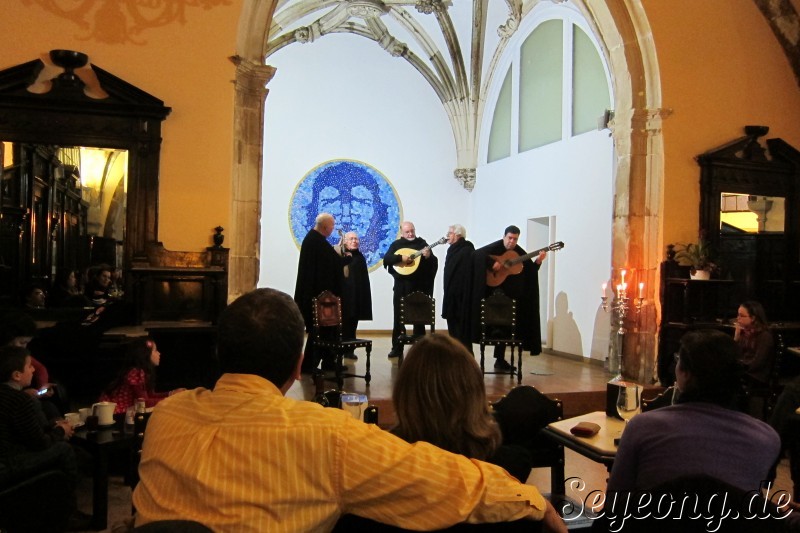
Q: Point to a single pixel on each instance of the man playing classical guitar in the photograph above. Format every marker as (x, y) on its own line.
(410, 274)
(522, 287)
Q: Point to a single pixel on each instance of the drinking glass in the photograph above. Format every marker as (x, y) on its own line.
(628, 401)
(354, 404)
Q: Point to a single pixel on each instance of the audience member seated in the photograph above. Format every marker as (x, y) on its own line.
(33, 297)
(701, 433)
(98, 285)
(137, 379)
(29, 444)
(18, 329)
(755, 341)
(439, 397)
(65, 291)
(244, 457)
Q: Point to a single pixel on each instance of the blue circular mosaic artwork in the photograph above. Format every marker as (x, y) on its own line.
(358, 196)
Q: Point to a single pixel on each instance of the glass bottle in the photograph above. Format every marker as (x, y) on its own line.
(319, 390)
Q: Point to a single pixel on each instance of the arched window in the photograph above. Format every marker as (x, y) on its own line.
(556, 84)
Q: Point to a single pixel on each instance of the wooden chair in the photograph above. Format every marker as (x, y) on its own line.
(327, 333)
(768, 392)
(662, 399)
(521, 415)
(416, 309)
(499, 327)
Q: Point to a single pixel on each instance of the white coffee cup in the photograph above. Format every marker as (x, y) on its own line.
(104, 411)
(85, 412)
(72, 418)
(354, 404)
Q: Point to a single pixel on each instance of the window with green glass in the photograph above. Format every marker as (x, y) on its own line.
(540, 91)
(590, 96)
(500, 135)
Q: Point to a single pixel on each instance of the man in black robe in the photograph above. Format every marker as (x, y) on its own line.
(420, 280)
(318, 269)
(456, 303)
(522, 287)
(356, 296)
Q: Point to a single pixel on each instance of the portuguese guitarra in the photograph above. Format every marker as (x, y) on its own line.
(511, 263)
(414, 257)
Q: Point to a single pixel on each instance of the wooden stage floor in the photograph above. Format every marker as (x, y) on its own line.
(580, 384)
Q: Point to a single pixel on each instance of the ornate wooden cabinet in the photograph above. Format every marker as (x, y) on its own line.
(759, 258)
(43, 220)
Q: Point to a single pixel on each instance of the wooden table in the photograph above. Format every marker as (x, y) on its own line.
(599, 447)
(99, 444)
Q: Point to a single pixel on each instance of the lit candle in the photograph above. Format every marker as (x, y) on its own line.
(641, 290)
(619, 290)
(623, 277)
(624, 286)
(604, 289)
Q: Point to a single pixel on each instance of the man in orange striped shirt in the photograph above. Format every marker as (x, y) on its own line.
(245, 458)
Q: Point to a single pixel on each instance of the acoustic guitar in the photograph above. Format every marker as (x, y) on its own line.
(511, 263)
(414, 255)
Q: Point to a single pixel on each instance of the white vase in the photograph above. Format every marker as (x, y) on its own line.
(700, 274)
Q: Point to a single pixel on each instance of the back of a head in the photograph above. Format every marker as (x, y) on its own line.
(261, 333)
(16, 324)
(712, 360)
(439, 397)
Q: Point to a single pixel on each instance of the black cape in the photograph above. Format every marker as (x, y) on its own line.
(422, 278)
(357, 295)
(318, 269)
(458, 285)
(522, 287)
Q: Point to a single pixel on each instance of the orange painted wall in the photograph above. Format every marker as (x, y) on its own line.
(721, 69)
(183, 64)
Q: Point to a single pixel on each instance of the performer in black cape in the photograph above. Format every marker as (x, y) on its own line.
(420, 280)
(356, 294)
(456, 304)
(318, 269)
(522, 287)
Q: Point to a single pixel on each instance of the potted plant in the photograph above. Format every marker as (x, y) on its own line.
(697, 255)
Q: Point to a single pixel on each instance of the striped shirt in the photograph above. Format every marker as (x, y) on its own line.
(245, 458)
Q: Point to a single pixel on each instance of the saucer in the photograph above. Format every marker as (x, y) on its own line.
(104, 426)
(78, 425)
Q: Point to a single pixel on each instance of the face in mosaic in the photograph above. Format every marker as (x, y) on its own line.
(358, 196)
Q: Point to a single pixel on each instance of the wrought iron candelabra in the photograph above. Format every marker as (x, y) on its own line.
(620, 306)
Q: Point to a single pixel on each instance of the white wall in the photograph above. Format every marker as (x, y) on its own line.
(347, 99)
(344, 97)
(571, 183)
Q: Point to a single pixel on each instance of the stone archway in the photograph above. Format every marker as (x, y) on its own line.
(638, 172)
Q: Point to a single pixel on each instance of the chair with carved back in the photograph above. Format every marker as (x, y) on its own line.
(416, 310)
(521, 415)
(499, 328)
(662, 399)
(767, 392)
(327, 333)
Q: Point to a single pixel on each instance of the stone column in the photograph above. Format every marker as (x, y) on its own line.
(639, 148)
(248, 133)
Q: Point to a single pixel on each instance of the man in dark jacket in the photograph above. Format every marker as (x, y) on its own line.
(458, 285)
(410, 274)
(318, 269)
(522, 287)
